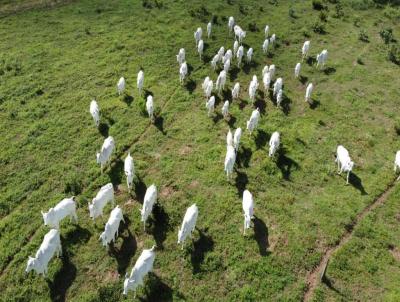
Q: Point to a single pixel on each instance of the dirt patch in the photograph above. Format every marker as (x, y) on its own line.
(185, 150)
(166, 192)
(194, 184)
(112, 276)
(395, 251)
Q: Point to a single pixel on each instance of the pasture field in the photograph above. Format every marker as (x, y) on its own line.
(55, 60)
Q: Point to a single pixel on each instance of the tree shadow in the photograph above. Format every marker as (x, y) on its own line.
(190, 85)
(233, 72)
(128, 99)
(200, 247)
(329, 70)
(285, 164)
(241, 182)
(261, 139)
(161, 225)
(128, 248)
(159, 123)
(243, 157)
(103, 129)
(303, 79)
(116, 172)
(140, 189)
(356, 182)
(311, 61)
(314, 104)
(261, 235)
(250, 65)
(63, 279)
(78, 236)
(232, 120)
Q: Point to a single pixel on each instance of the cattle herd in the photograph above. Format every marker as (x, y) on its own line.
(67, 207)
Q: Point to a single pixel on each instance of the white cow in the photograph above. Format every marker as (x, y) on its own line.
(51, 245)
(231, 24)
(397, 163)
(265, 45)
(221, 53)
(266, 30)
(228, 56)
(149, 200)
(278, 85)
(105, 195)
(214, 61)
(230, 159)
(197, 35)
(106, 150)
(111, 228)
(142, 267)
(322, 58)
(305, 49)
(229, 138)
(227, 65)
(253, 122)
(272, 39)
(242, 35)
(309, 91)
(249, 55)
(265, 70)
(274, 143)
(236, 138)
(129, 169)
(252, 90)
(209, 28)
(209, 88)
(248, 209)
(225, 109)
(180, 57)
(272, 70)
(200, 48)
(66, 207)
(188, 224)
(95, 112)
(121, 85)
(267, 80)
(297, 70)
(140, 81)
(239, 55)
(205, 83)
(345, 164)
(235, 47)
(279, 98)
(236, 91)
(221, 80)
(183, 70)
(210, 105)
(150, 107)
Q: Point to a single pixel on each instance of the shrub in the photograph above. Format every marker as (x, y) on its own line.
(394, 54)
(317, 5)
(386, 35)
(318, 27)
(362, 36)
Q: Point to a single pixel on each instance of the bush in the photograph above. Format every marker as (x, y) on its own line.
(317, 5)
(386, 35)
(318, 27)
(394, 54)
(362, 36)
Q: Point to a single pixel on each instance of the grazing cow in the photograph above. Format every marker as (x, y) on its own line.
(197, 35)
(66, 207)
(235, 47)
(200, 48)
(236, 138)
(267, 80)
(105, 195)
(297, 70)
(51, 245)
(264, 70)
(265, 45)
(221, 53)
(249, 55)
(149, 199)
(95, 112)
(205, 84)
(240, 34)
(272, 40)
(209, 27)
(142, 267)
(220, 83)
(210, 105)
(225, 109)
(397, 163)
(322, 58)
(305, 49)
(111, 228)
(272, 70)
(236, 91)
(121, 85)
(266, 31)
(239, 55)
(345, 164)
(274, 143)
(253, 122)
(229, 138)
(231, 24)
(106, 150)
(252, 90)
(183, 70)
(248, 209)
(180, 57)
(228, 56)
(150, 107)
(279, 98)
(278, 85)
(129, 169)
(140, 81)
(227, 65)
(214, 61)
(230, 159)
(188, 224)
(309, 91)
(209, 89)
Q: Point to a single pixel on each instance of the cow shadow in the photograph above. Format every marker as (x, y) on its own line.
(241, 182)
(103, 129)
(231, 121)
(128, 248)
(159, 123)
(128, 99)
(260, 104)
(78, 235)
(329, 70)
(285, 164)
(217, 117)
(242, 104)
(140, 189)
(201, 246)
(160, 226)
(356, 182)
(261, 139)
(248, 66)
(190, 69)
(327, 281)
(285, 104)
(233, 72)
(116, 172)
(303, 79)
(157, 290)
(190, 85)
(63, 279)
(205, 46)
(243, 157)
(227, 95)
(147, 93)
(314, 104)
(311, 61)
(261, 235)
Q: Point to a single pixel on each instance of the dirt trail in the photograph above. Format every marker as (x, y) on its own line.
(314, 277)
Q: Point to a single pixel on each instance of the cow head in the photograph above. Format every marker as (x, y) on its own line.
(32, 263)
(46, 216)
(103, 238)
(92, 212)
(350, 165)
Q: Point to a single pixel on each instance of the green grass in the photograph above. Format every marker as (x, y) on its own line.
(54, 62)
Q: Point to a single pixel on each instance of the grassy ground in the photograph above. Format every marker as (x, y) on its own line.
(53, 62)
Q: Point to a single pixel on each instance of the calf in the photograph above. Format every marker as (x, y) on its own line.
(95, 112)
(345, 164)
(105, 195)
(66, 207)
(188, 224)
